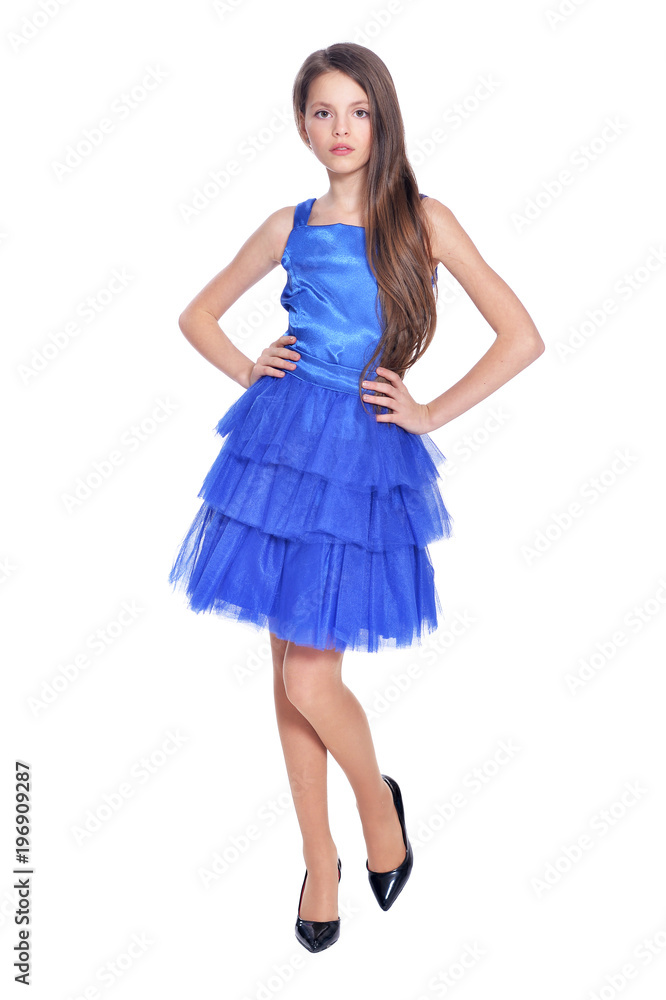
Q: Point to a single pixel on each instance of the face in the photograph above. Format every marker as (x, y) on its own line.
(337, 113)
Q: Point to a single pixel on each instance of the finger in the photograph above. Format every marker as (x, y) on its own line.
(277, 354)
(281, 362)
(273, 361)
(385, 388)
(280, 343)
(380, 400)
(284, 351)
(387, 373)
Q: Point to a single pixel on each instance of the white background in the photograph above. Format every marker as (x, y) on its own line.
(492, 874)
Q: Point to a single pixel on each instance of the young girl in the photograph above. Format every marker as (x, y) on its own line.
(319, 508)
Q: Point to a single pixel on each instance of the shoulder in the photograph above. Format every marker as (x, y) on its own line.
(446, 233)
(277, 227)
(270, 237)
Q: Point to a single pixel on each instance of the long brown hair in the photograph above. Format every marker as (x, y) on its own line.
(397, 239)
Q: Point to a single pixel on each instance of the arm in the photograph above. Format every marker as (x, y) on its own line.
(517, 342)
(199, 320)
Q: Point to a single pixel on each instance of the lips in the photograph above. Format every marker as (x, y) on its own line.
(341, 146)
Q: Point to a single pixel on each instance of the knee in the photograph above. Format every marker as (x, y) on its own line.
(306, 693)
(310, 680)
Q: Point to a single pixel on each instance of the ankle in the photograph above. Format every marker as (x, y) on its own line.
(377, 809)
(320, 857)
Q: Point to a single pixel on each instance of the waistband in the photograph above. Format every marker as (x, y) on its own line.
(329, 374)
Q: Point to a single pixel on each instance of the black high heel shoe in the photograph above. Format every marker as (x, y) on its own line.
(316, 935)
(388, 885)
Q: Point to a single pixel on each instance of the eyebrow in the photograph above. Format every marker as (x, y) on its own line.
(352, 105)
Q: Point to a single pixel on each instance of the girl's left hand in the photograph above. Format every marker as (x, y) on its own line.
(406, 412)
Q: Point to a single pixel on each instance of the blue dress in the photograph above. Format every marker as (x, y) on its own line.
(315, 517)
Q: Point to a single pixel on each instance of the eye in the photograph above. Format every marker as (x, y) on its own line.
(323, 111)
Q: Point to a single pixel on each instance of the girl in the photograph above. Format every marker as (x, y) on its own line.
(319, 508)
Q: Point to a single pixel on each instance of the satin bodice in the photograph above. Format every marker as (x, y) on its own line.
(331, 297)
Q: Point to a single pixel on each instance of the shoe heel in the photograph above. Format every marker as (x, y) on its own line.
(317, 935)
(387, 886)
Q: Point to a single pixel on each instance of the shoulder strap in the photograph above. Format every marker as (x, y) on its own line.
(302, 212)
(304, 208)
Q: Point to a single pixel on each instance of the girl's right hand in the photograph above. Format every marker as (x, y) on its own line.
(274, 358)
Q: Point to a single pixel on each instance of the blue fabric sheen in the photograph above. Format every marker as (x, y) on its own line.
(315, 518)
(328, 374)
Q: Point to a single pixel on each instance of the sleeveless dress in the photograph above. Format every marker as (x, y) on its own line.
(316, 518)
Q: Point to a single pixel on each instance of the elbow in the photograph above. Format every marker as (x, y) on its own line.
(535, 347)
(184, 320)
(191, 318)
(538, 346)
(530, 344)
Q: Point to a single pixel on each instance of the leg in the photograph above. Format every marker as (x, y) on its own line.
(306, 759)
(313, 684)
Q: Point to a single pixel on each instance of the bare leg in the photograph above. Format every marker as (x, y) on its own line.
(314, 687)
(306, 759)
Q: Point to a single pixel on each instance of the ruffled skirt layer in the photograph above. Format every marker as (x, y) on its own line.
(315, 521)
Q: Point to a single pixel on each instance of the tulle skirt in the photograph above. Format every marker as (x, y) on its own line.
(315, 521)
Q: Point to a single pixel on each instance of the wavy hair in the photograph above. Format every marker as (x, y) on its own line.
(397, 238)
